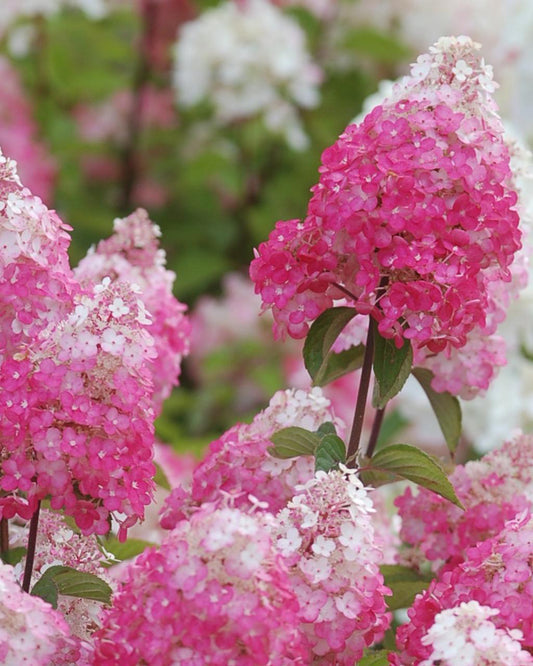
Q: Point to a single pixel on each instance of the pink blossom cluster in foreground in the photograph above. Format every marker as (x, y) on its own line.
(497, 574)
(246, 586)
(31, 631)
(238, 465)
(77, 367)
(493, 490)
(414, 217)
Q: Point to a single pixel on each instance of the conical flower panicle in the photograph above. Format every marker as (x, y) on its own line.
(415, 214)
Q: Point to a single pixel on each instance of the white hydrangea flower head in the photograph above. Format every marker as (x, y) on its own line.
(466, 636)
(247, 59)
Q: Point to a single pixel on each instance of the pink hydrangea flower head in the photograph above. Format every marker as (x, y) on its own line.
(36, 284)
(239, 465)
(493, 490)
(465, 634)
(133, 255)
(414, 214)
(32, 633)
(80, 414)
(326, 536)
(216, 592)
(496, 573)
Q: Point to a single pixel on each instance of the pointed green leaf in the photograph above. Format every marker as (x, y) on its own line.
(338, 364)
(124, 550)
(160, 477)
(374, 658)
(321, 363)
(329, 453)
(46, 588)
(66, 580)
(393, 423)
(13, 555)
(327, 428)
(446, 407)
(408, 462)
(293, 442)
(392, 366)
(404, 583)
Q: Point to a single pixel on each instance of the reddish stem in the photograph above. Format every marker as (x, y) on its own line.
(30, 553)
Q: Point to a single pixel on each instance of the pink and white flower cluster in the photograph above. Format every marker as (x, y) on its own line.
(31, 631)
(238, 465)
(245, 508)
(133, 255)
(465, 634)
(497, 574)
(215, 591)
(326, 536)
(77, 401)
(415, 217)
(245, 586)
(493, 490)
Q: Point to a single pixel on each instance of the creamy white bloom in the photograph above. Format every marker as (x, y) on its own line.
(466, 636)
(247, 60)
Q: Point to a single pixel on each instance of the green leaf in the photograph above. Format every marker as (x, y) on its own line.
(330, 451)
(339, 364)
(401, 461)
(125, 550)
(392, 366)
(46, 588)
(66, 580)
(13, 556)
(446, 407)
(374, 658)
(404, 583)
(327, 428)
(321, 363)
(293, 442)
(160, 477)
(393, 423)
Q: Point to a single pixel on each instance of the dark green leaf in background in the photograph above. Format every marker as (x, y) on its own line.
(446, 407)
(392, 366)
(321, 363)
(404, 583)
(65, 580)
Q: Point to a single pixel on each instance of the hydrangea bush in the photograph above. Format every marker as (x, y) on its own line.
(281, 545)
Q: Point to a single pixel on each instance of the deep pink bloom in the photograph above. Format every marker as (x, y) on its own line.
(414, 215)
(76, 417)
